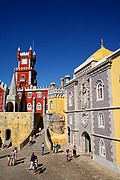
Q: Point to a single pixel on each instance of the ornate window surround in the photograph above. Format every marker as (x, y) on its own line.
(101, 120)
(100, 90)
(29, 106)
(70, 98)
(102, 149)
(38, 106)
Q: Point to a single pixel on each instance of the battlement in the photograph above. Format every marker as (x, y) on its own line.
(33, 88)
(23, 68)
(24, 53)
(56, 90)
(3, 85)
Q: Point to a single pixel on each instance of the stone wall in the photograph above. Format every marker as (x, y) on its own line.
(18, 124)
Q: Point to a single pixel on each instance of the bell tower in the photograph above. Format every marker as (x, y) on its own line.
(25, 73)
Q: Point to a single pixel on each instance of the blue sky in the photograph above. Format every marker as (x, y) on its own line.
(65, 33)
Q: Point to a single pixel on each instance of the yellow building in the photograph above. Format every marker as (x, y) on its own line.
(56, 112)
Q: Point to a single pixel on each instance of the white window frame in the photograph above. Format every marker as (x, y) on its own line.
(22, 78)
(101, 120)
(51, 104)
(29, 106)
(100, 91)
(39, 94)
(38, 106)
(29, 95)
(70, 98)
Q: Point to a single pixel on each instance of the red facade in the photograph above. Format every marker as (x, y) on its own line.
(31, 97)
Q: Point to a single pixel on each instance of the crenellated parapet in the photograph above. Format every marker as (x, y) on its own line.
(33, 88)
(56, 92)
(3, 85)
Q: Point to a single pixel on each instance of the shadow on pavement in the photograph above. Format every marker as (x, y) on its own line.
(3, 156)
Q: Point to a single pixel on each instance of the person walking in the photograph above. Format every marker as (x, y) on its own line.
(32, 161)
(43, 148)
(30, 140)
(74, 151)
(12, 157)
(15, 151)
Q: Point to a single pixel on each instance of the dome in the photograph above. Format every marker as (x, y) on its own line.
(100, 53)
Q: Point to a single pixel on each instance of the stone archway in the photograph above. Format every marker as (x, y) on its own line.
(86, 142)
(68, 134)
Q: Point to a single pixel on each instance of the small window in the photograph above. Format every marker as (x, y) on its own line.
(39, 106)
(29, 94)
(102, 150)
(39, 94)
(70, 119)
(70, 99)
(51, 104)
(101, 120)
(29, 106)
(100, 92)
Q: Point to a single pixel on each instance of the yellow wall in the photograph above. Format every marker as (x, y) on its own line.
(58, 105)
(59, 138)
(20, 124)
(115, 73)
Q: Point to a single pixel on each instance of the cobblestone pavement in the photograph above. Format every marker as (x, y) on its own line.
(52, 166)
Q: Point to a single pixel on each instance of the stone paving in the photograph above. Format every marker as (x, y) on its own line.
(52, 166)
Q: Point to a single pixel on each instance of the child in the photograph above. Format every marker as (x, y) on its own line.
(8, 160)
(67, 155)
(36, 162)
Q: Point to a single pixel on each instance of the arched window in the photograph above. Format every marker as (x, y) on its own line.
(39, 106)
(101, 120)
(22, 78)
(51, 104)
(29, 106)
(70, 99)
(100, 92)
(102, 150)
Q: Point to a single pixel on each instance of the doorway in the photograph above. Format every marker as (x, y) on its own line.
(68, 134)
(8, 134)
(86, 142)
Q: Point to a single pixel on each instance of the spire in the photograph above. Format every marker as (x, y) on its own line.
(30, 48)
(102, 43)
(18, 48)
(13, 90)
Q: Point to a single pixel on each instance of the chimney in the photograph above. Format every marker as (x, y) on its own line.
(67, 77)
(62, 82)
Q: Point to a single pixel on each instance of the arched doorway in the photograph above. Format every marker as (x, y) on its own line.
(9, 107)
(7, 134)
(86, 142)
(68, 134)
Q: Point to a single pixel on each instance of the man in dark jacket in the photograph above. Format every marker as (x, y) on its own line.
(32, 160)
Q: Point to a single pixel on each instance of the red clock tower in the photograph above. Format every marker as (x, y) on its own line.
(32, 98)
(25, 73)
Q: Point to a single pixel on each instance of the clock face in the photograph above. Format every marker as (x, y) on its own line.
(24, 61)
